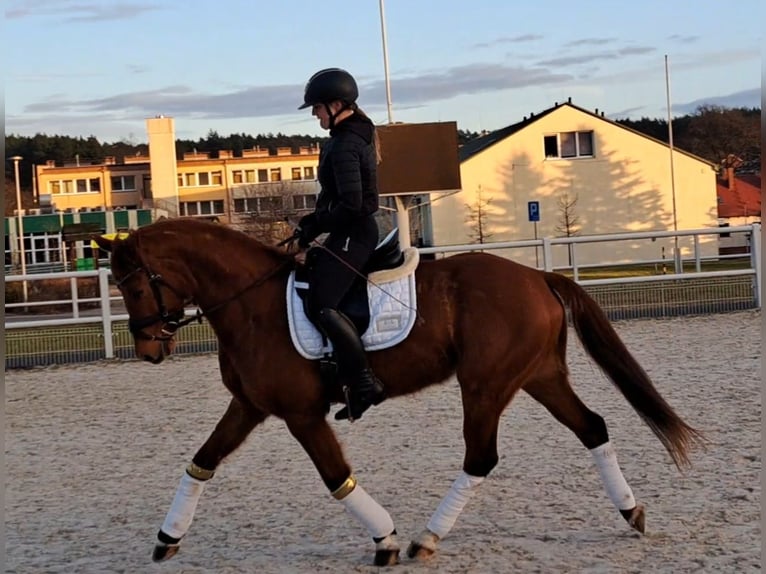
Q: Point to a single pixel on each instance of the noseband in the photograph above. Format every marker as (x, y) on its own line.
(171, 320)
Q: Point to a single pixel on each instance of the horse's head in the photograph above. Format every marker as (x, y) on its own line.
(154, 303)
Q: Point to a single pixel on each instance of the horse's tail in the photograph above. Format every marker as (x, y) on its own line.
(606, 348)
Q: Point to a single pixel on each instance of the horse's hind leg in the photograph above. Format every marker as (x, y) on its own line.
(321, 444)
(481, 416)
(229, 433)
(556, 394)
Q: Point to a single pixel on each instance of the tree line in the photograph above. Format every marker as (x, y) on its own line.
(711, 132)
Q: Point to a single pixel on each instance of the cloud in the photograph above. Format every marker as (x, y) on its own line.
(742, 99)
(683, 39)
(508, 40)
(576, 60)
(78, 11)
(264, 101)
(590, 42)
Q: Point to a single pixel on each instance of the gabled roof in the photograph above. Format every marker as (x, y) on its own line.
(743, 200)
(471, 148)
(475, 146)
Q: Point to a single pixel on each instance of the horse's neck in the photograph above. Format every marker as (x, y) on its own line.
(227, 273)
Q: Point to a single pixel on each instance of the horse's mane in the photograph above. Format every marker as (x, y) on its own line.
(190, 226)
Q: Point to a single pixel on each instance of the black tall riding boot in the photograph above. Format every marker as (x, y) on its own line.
(364, 388)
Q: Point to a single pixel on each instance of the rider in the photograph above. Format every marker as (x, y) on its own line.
(345, 209)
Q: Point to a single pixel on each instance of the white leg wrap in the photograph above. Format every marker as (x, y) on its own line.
(615, 484)
(181, 512)
(371, 514)
(452, 505)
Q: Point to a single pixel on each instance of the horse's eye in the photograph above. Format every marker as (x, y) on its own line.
(136, 295)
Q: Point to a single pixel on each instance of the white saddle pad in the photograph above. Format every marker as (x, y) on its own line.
(393, 310)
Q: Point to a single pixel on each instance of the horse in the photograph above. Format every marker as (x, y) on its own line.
(497, 326)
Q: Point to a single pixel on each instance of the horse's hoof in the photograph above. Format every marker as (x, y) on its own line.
(164, 552)
(419, 552)
(387, 550)
(425, 547)
(386, 557)
(636, 517)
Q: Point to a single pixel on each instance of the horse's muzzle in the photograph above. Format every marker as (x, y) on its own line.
(155, 351)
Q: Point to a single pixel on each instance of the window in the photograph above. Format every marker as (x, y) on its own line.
(38, 248)
(308, 172)
(192, 208)
(304, 201)
(296, 173)
(275, 174)
(568, 145)
(95, 184)
(236, 176)
(82, 186)
(205, 178)
(263, 175)
(268, 205)
(123, 183)
(551, 146)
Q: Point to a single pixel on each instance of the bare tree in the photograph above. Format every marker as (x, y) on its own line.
(268, 211)
(569, 222)
(477, 218)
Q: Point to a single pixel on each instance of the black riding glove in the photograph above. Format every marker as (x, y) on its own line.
(307, 230)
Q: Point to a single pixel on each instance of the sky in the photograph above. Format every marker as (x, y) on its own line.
(102, 67)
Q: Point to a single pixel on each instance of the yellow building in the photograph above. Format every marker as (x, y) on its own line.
(582, 167)
(216, 185)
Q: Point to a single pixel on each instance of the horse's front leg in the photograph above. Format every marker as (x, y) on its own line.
(322, 446)
(229, 433)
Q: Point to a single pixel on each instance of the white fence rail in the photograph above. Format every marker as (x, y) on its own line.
(109, 310)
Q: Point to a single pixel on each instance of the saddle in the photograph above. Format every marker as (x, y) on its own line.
(382, 304)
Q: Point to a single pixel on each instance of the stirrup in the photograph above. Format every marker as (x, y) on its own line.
(364, 404)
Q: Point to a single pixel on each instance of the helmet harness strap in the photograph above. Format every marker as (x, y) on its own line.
(343, 108)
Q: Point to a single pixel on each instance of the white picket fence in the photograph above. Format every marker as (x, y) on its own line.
(110, 310)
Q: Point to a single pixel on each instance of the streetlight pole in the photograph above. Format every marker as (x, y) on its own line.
(20, 226)
(676, 254)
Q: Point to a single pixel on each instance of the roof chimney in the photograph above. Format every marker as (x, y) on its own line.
(730, 178)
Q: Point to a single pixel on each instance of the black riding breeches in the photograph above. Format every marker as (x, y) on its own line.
(331, 275)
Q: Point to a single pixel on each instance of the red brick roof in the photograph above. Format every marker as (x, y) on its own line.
(743, 199)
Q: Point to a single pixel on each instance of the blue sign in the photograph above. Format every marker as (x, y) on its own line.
(533, 207)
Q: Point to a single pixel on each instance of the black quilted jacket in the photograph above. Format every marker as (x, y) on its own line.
(347, 175)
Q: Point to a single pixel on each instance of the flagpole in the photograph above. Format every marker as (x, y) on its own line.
(385, 62)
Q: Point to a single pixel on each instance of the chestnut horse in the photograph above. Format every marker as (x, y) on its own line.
(500, 327)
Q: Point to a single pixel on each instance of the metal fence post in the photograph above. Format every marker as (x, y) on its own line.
(547, 254)
(74, 293)
(106, 312)
(755, 254)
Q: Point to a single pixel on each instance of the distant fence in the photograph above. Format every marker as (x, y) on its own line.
(82, 334)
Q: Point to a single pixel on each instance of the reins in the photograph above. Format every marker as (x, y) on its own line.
(200, 314)
(356, 272)
(172, 321)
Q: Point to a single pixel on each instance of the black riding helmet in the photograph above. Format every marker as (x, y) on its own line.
(329, 85)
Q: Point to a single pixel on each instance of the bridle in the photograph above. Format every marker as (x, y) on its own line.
(174, 320)
(171, 320)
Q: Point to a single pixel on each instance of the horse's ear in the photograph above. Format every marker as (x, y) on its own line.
(103, 242)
